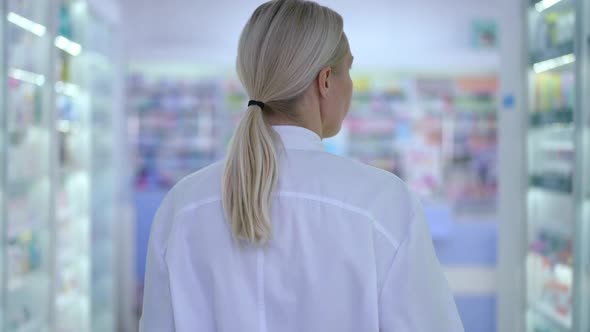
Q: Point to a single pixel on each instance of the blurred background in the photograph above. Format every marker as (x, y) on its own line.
(482, 107)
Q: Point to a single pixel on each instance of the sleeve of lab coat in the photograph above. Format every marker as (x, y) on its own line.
(157, 315)
(415, 296)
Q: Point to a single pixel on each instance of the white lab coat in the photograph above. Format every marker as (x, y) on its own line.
(350, 251)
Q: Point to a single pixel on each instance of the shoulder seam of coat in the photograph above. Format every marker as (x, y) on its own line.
(312, 197)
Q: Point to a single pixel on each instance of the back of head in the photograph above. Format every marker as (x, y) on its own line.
(282, 49)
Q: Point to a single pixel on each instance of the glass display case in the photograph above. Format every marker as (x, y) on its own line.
(2, 160)
(26, 249)
(72, 194)
(99, 54)
(554, 248)
(581, 297)
(57, 164)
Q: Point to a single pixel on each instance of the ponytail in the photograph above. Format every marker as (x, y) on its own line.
(251, 172)
(282, 48)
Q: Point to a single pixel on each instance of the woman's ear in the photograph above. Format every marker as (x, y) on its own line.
(323, 81)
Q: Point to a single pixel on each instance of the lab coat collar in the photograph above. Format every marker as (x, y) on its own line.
(299, 138)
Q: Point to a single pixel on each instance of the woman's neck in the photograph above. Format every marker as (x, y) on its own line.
(308, 116)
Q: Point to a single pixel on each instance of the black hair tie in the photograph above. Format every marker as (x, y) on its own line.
(257, 103)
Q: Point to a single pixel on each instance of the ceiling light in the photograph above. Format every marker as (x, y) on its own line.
(27, 76)
(26, 24)
(553, 63)
(542, 5)
(68, 46)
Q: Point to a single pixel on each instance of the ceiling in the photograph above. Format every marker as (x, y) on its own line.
(380, 31)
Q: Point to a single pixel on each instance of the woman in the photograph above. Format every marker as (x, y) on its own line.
(282, 236)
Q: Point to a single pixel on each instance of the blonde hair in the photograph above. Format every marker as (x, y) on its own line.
(282, 49)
